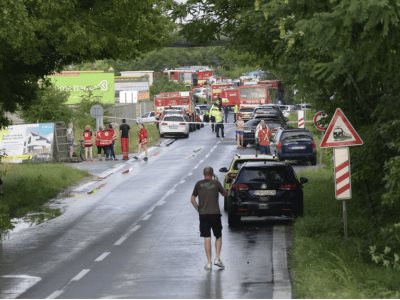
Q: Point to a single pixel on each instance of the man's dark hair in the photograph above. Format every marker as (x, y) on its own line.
(123, 121)
(208, 171)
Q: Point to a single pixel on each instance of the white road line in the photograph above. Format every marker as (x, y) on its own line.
(121, 240)
(102, 256)
(182, 181)
(135, 228)
(190, 174)
(80, 275)
(55, 294)
(161, 202)
(282, 287)
(145, 218)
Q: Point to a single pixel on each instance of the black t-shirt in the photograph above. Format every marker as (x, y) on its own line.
(124, 130)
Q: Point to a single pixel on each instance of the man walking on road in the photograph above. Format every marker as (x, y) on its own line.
(208, 191)
(124, 130)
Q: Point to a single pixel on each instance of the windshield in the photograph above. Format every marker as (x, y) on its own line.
(273, 175)
(252, 93)
(296, 135)
(174, 118)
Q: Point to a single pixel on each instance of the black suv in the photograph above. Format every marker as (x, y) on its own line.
(265, 189)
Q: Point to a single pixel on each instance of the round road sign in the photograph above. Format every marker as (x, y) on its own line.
(319, 121)
(96, 111)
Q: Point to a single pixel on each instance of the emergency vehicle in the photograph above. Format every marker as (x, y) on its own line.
(217, 88)
(245, 96)
(196, 77)
(183, 101)
(276, 89)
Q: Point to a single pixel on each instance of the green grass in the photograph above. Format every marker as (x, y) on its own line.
(324, 264)
(27, 187)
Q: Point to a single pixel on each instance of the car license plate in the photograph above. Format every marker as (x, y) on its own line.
(263, 206)
(265, 193)
(298, 147)
(173, 126)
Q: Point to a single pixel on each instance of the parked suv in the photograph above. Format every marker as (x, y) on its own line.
(265, 189)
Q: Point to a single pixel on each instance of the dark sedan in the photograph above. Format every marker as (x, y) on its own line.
(273, 123)
(265, 189)
(294, 144)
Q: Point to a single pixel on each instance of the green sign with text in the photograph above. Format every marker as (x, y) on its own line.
(79, 84)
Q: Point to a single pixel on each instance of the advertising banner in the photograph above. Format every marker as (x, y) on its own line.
(79, 83)
(27, 142)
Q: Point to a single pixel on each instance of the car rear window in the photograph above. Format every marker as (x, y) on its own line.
(273, 175)
(174, 118)
(246, 109)
(296, 135)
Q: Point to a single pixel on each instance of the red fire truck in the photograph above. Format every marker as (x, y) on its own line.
(276, 89)
(216, 89)
(190, 76)
(245, 96)
(181, 102)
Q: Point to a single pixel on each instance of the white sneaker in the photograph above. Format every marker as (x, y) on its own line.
(207, 267)
(219, 263)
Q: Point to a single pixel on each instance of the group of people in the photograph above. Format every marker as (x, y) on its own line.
(104, 139)
(263, 135)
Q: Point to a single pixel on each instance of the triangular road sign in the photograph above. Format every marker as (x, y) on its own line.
(340, 133)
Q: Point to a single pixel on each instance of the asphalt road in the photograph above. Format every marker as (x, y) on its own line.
(132, 233)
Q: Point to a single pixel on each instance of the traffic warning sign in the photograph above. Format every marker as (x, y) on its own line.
(340, 133)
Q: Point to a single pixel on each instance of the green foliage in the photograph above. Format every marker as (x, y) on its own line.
(49, 106)
(163, 84)
(41, 37)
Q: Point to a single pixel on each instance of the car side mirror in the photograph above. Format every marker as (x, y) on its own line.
(303, 180)
(223, 170)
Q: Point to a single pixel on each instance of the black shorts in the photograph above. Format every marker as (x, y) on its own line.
(208, 222)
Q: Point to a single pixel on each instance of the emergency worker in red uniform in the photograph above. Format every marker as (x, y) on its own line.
(264, 136)
(88, 143)
(142, 140)
(107, 142)
(99, 142)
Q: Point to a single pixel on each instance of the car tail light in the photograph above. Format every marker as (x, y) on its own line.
(164, 123)
(240, 187)
(288, 186)
(182, 124)
(279, 146)
(313, 145)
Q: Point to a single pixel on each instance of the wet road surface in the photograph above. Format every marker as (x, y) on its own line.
(135, 235)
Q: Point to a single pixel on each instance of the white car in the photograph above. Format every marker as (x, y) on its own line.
(174, 125)
(200, 92)
(148, 117)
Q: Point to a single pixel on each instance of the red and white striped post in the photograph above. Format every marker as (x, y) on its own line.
(300, 119)
(342, 180)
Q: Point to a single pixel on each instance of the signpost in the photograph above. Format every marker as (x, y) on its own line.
(97, 112)
(300, 119)
(340, 135)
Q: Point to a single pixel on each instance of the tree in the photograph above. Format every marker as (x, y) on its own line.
(40, 37)
(49, 106)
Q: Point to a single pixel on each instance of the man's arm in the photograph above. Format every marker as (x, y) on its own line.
(194, 203)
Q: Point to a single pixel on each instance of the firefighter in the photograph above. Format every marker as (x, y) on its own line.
(219, 120)
(213, 112)
(235, 112)
(88, 143)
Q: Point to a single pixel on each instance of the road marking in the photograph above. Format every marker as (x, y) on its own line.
(135, 228)
(121, 240)
(80, 275)
(55, 294)
(182, 181)
(102, 257)
(190, 174)
(161, 202)
(145, 218)
(282, 287)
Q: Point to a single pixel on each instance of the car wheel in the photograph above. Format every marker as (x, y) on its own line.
(245, 144)
(186, 136)
(313, 161)
(233, 219)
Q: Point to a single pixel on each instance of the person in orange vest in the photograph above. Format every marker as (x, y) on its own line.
(87, 135)
(142, 140)
(107, 142)
(264, 136)
(114, 138)
(99, 142)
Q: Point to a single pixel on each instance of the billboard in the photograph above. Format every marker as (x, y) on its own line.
(79, 83)
(27, 142)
